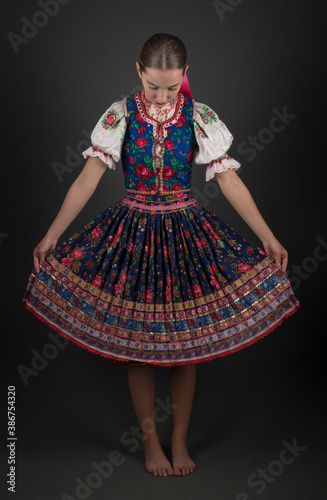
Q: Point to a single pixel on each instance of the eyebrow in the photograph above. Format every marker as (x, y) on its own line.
(157, 85)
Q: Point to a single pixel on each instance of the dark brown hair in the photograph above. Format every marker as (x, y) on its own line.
(163, 51)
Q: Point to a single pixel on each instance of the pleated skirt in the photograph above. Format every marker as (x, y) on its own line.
(159, 280)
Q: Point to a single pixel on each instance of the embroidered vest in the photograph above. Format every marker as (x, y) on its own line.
(157, 156)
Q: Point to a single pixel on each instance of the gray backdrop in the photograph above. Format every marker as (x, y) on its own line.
(64, 63)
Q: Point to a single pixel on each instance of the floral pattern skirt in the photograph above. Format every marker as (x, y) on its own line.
(159, 280)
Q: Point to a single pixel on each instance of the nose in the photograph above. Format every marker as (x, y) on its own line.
(161, 95)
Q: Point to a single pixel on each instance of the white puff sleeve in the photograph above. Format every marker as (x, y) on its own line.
(213, 139)
(108, 135)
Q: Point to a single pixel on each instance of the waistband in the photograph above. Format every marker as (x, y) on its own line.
(156, 202)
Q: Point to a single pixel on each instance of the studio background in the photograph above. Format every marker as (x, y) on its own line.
(249, 61)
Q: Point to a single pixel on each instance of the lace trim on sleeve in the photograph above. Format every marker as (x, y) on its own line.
(221, 164)
(105, 157)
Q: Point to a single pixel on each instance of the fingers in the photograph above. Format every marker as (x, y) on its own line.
(38, 259)
(281, 260)
(36, 263)
(276, 251)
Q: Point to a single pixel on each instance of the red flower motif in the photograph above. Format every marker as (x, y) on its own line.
(77, 302)
(169, 145)
(181, 120)
(142, 129)
(118, 288)
(111, 118)
(77, 253)
(244, 267)
(141, 142)
(139, 117)
(176, 186)
(167, 173)
(143, 172)
(147, 296)
(180, 196)
(214, 282)
(130, 159)
(96, 232)
(123, 277)
(200, 243)
(67, 261)
(97, 281)
(196, 290)
(140, 186)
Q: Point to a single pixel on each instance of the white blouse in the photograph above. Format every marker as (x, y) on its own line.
(212, 136)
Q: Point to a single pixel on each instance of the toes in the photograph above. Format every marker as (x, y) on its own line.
(184, 470)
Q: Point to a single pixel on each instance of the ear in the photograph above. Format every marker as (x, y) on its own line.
(138, 68)
(186, 69)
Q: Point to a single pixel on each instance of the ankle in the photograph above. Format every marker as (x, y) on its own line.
(178, 438)
(150, 438)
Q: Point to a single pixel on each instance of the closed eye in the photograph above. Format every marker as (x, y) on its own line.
(156, 88)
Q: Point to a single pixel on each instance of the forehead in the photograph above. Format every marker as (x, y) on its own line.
(161, 77)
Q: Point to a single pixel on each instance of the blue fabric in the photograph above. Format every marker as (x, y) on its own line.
(138, 155)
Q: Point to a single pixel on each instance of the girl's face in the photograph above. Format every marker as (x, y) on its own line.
(160, 86)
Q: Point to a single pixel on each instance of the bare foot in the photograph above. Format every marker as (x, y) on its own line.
(156, 461)
(182, 462)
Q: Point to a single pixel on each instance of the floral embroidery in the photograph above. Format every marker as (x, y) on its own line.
(110, 119)
(208, 115)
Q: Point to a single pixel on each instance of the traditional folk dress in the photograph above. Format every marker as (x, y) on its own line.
(157, 278)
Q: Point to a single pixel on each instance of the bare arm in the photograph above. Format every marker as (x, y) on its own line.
(238, 195)
(76, 198)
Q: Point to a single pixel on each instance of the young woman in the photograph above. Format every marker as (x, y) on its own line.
(157, 279)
